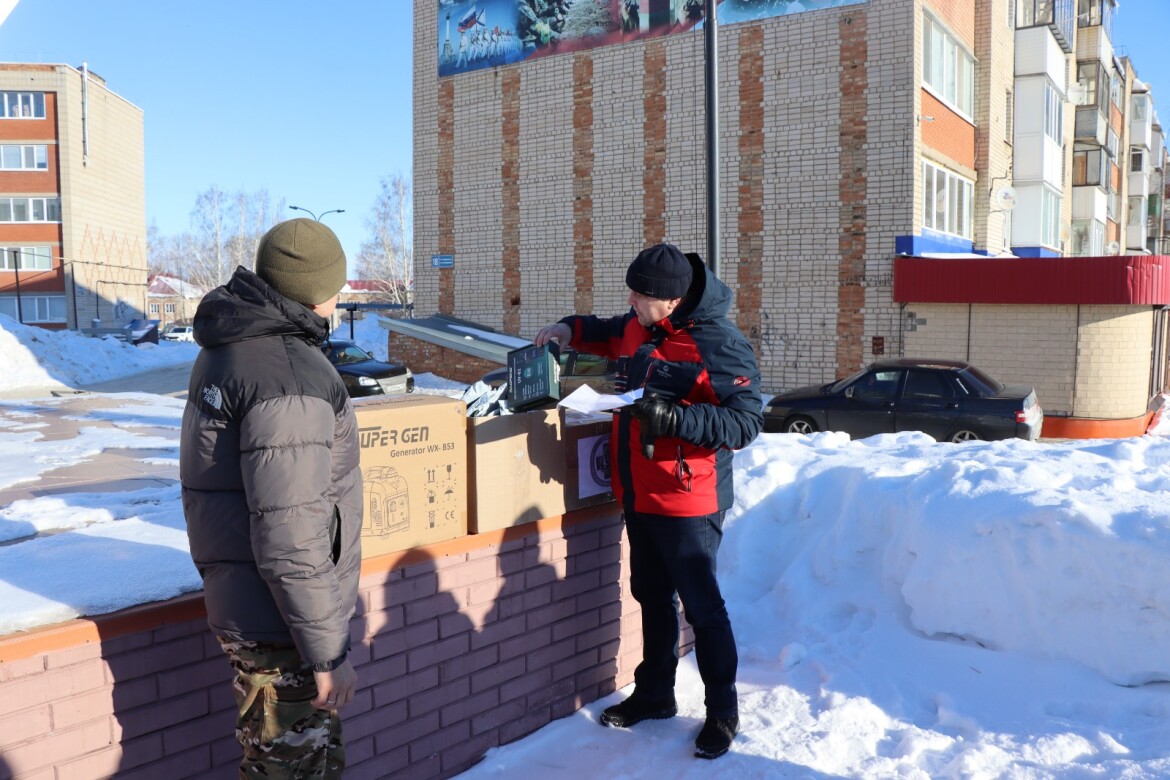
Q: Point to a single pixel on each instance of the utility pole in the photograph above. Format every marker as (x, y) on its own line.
(711, 84)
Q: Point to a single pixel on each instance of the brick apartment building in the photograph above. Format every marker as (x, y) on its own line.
(72, 199)
(852, 133)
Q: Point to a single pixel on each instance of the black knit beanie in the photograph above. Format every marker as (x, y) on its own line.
(660, 271)
(303, 260)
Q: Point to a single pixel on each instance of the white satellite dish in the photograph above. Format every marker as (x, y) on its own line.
(1005, 198)
(1112, 248)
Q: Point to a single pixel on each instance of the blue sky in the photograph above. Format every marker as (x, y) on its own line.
(309, 100)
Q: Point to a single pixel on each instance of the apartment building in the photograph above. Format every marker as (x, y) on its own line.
(72, 199)
(852, 134)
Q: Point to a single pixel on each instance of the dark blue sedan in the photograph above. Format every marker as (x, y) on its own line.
(949, 400)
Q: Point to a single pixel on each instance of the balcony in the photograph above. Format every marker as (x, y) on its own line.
(1091, 126)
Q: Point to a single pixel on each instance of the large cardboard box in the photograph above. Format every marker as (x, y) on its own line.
(414, 470)
(529, 466)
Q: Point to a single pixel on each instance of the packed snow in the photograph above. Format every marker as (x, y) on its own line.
(903, 608)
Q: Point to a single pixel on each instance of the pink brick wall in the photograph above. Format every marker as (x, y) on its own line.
(459, 647)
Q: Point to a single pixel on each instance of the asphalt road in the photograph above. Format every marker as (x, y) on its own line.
(170, 381)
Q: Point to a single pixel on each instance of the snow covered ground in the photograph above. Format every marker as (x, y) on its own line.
(904, 609)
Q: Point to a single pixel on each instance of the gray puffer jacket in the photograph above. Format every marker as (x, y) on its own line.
(268, 461)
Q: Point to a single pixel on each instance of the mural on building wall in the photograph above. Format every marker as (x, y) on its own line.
(475, 34)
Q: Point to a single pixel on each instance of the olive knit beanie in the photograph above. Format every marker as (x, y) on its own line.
(303, 260)
(660, 271)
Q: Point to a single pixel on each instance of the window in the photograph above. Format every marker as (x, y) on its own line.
(1088, 238)
(1009, 116)
(877, 386)
(170, 308)
(1089, 168)
(1049, 218)
(1137, 212)
(16, 157)
(30, 210)
(1053, 113)
(1139, 105)
(1137, 160)
(34, 308)
(22, 105)
(948, 201)
(947, 68)
(1092, 13)
(26, 258)
(927, 384)
(154, 308)
(1112, 142)
(1093, 76)
(1115, 89)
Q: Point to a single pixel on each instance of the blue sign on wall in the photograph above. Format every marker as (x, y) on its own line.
(442, 261)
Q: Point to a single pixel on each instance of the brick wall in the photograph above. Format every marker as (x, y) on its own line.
(459, 647)
(1085, 361)
(421, 356)
(817, 144)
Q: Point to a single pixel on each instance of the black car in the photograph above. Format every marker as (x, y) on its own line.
(948, 399)
(363, 375)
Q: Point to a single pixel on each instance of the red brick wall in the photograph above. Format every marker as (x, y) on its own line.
(510, 199)
(459, 647)
(948, 132)
(854, 134)
(421, 357)
(654, 150)
(583, 182)
(750, 218)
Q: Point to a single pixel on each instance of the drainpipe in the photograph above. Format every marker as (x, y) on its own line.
(85, 113)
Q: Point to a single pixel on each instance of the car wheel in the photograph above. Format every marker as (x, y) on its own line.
(964, 435)
(800, 425)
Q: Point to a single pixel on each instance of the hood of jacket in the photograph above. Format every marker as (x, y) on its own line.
(248, 308)
(708, 299)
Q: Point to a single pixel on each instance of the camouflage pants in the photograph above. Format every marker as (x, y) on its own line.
(283, 735)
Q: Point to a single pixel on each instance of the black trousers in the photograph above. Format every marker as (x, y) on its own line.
(673, 557)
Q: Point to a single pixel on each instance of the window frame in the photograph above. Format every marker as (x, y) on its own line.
(34, 308)
(948, 68)
(948, 200)
(49, 209)
(35, 101)
(17, 258)
(1050, 206)
(1053, 112)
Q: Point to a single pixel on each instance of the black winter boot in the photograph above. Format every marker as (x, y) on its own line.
(636, 709)
(715, 738)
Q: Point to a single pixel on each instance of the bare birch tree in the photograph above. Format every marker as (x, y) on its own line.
(388, 257)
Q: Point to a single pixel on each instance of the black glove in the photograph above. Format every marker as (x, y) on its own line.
(656, 418)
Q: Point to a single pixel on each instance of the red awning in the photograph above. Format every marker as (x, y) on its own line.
(1136, 280)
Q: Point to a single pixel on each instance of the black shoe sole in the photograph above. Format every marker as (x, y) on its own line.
(709, 754)
(625, 723)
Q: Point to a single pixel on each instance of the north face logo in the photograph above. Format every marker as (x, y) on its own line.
(213, 397)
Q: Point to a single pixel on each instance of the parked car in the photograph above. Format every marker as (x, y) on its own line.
(363, 374)
(577, 368)
(179, 333)
(950, 400)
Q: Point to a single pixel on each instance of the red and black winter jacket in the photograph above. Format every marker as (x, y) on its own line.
(699, 360)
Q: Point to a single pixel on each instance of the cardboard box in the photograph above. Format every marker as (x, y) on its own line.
(414, 470)
(529, 466)
(534, 376)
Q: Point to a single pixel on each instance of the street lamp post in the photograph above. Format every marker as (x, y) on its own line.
(314, 216)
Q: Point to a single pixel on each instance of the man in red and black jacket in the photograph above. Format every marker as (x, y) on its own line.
(672, 450)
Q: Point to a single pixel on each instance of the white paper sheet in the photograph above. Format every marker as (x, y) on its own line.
(586, 399)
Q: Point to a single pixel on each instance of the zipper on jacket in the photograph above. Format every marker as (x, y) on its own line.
(682, 470)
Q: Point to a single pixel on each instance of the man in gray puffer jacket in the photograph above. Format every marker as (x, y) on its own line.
(272, 493)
